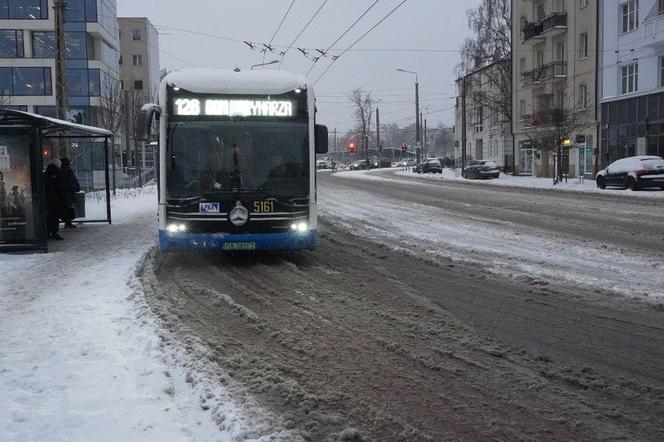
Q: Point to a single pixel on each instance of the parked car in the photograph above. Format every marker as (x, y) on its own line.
(633, 173)
(481, 169)
(359, 165)
(432, 165)
(381, 163)
(322, 164)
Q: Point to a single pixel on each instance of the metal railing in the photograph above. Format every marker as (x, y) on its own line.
(550, 71)
(556, 20)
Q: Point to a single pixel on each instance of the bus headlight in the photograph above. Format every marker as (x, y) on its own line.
(175, 228)
(300, 227)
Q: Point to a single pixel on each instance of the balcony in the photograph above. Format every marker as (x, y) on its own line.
(555, 23)
(530, 121)
(653, 29)
(550, 25)
(556, 70)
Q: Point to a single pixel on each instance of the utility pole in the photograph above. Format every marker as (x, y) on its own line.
(380, 148)
(336, 145)
(418, 137)
(426, 144)
(61, 92)
(463, 122)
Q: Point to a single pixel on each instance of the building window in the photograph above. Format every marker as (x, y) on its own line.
(11, 44)
(25, 81)
(583, 96)
(630, 78)
(83, 82)
(522, 65)
(583, 45)
(540, 58)
(478, 119)
(560, 51)
(661, 71)
(110, 56)
(660, 7)
(138, 85)
(522, 108)
(630, 15)
(77, 45)
(24, 9)
(137, 60)
(136, 35)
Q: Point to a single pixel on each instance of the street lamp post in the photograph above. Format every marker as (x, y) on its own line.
(263, 64)
(418, 138)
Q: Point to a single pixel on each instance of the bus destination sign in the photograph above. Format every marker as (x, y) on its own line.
(192, 107)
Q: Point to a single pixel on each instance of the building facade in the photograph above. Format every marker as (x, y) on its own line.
(139, 79)
(488, 133)
(554, 67)
(631, 79)
(27, 61)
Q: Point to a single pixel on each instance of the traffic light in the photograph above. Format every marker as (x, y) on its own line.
(351, 146)
(403, 147)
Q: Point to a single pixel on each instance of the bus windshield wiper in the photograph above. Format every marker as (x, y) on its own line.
(185, 201)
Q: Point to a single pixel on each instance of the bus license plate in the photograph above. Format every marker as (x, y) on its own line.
(239, 246)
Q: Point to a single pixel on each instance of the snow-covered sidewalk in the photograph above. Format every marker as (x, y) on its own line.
(80, 358)
(572, 184)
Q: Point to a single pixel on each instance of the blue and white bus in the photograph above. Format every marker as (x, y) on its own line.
(237, 152)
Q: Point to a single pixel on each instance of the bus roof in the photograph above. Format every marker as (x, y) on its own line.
(221, 81)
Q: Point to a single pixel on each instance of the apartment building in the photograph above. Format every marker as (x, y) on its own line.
(554, 67)
(139, 79)
(488, 134)
(27, 62)
(631, 79)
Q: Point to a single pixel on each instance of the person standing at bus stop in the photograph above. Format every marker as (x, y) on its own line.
(55, 199)
(71, 187)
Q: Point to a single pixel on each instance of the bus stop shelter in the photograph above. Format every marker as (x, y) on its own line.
(27, 141)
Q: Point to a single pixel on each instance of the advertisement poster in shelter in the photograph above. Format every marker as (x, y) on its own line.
(17, 218)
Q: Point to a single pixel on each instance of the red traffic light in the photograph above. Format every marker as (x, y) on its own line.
(352, 147)
(403, 146)
(46, 153)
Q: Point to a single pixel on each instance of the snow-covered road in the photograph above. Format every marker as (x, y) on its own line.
(437, 222)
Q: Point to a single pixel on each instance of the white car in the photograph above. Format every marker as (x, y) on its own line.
(633, 173)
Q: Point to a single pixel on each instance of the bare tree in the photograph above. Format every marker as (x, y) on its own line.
(364, 105)
(111, 113)
(490, 47)
(552, 129)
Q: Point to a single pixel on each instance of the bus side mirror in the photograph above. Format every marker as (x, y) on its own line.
(144, 119)
(321, 139)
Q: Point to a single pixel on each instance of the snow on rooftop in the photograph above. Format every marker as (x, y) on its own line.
(221, 81)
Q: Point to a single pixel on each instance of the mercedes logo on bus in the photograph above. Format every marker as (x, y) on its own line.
(239, 215)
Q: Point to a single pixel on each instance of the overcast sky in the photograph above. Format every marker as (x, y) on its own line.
(436, 25)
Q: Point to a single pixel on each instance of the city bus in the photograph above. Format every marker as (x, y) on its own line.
(237, 152)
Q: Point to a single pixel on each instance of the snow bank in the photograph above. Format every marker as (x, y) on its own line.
(80, 357)
(527, 182)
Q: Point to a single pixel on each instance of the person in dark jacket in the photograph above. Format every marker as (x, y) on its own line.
(71, 188)
(55, 200)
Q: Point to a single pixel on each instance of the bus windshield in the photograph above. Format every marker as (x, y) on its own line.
(208, 158)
